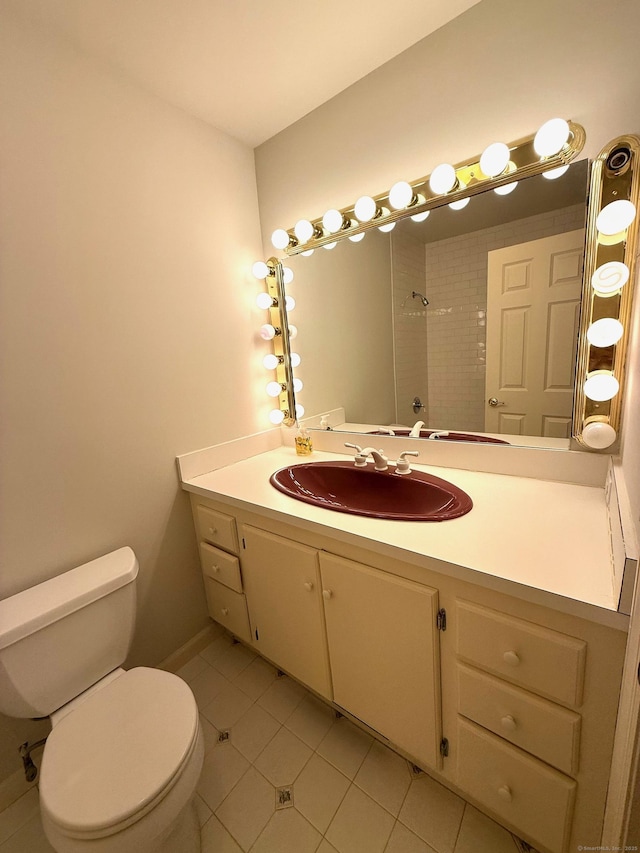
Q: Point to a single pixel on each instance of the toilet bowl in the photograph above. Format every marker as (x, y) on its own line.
(121, 765)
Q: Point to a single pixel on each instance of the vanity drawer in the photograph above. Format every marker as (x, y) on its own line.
(542, 660)
(229, 608)
(532, 799)
(220, 566)
(216, 527)
(548, 731)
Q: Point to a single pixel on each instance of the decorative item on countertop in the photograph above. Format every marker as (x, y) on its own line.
(304, 446)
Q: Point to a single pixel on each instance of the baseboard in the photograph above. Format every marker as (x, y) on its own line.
(192, 647)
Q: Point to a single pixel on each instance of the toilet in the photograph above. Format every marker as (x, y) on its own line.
(122, 761)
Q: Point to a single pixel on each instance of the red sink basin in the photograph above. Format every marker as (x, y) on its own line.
(452, 436)
(342, 487)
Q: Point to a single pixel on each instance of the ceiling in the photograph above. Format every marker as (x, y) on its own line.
(248, 67)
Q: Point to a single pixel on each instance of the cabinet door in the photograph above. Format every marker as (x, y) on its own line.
(384, 653)
(282, 584)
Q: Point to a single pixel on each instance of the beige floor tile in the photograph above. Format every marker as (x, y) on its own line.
(203, 810)
(480, 834)
(256, 678)
(209, 732)
(30, 838)
(325, 847)
(234, 660)
(385, 777)
(287, 832)
(192, 668)
(345, 746)
(311, 721)
(402, 840)
(283, 758)
(253, 731)
(207, 685)
(227, 707)
(318, 791)
(216, 839)
(432, 812)
(19, 813)
(216, 648)
(223, 767)
(282, 697)
(360, 824)
(248, 808)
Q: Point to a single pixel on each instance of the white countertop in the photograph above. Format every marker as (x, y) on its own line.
(544, 541)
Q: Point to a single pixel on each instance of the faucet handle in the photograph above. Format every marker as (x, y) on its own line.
(360, 457)
(356, 447)
(402, 465)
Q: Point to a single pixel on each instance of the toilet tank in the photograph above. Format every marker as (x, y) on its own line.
(61, 636)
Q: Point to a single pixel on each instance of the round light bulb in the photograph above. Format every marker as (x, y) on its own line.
(616, 217)
(263, 300)
(333, 221)
(299, 410)
(287, 274)
(280, 239)
(601, 385)
(443, 179)
(274, 389)
(276, 416)
(290, 303)
(494, 159)
(293, 331)
(270, 361)
(463, 202)
(295, 359)
(308, 253)
(357, 237)
(598, 434)
(505, 189)
(420, 217)
(551, 137)
(388, 227)
(401, 195)
(365, 208)
(260, 269)
(552, 174)
(605, 332)
(330, 245)
(608, 279)
(303, 230)
(267, 332)
(297, 385)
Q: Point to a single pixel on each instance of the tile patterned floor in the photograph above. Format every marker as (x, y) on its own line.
(283, 774)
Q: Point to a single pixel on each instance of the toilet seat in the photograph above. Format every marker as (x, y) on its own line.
(112, 759)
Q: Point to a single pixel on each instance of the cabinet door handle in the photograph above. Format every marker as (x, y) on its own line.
(327, 594)
(504, 792)
(213, 530)
(509, 723)
(511, 658)
(308, 586)
(215, 569)
(225, 611)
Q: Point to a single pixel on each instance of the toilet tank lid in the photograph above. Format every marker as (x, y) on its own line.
(35, 608)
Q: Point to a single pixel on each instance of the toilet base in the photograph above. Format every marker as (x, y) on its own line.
(184, 835)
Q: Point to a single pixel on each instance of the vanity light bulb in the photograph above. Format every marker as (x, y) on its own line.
(287, 274)
(388, 227)
(611, 277)
(357, 237)
(443, 179)
(365, 208)
(601, 385)
(297, 385)
(333, 221)
(551, 137)
(598, 435)
(552, 174)
(616, 217)
(295, 359)
(276, 416)
(293, 331)
(264, 301)
(505, 189)
(280, 239)
(463, 202)
(494, 159)
(308, 253)
(605, 332)
(260, 269)
(401, 195)
(267, 332)
(299, 410)
(274, 389)
(290, 303)
(303, 230)
(330, 245)
(420, 217)
(270, 361)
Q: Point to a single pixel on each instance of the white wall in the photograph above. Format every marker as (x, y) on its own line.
(127, 324)
(497, 72)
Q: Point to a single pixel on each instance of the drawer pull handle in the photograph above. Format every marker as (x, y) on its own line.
(504, 792)
(308, 586)
(213, 530)
(511, 658)
(215, 569)
(327, 594)
(509, 723)
(225, 611)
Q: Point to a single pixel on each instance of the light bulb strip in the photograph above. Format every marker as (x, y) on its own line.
(470, 178)
(281, 344)
(610, 181)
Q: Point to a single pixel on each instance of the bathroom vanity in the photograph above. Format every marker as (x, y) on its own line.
(487, 649)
